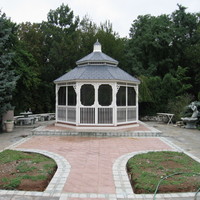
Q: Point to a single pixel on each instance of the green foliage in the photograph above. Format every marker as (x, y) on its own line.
(10, 184)
(24, 167)
(49, 167)
(34, 178)
(7, 156)
(177, 105)
(145, 94)
(7, 74)
(163, 51)
(167, 47)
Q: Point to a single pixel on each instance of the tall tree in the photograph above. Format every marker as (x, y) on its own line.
(149, 45)
(7, 74)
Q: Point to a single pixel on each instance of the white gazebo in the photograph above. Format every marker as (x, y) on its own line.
(96, 94)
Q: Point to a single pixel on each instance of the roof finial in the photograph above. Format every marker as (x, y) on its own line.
(97, 46)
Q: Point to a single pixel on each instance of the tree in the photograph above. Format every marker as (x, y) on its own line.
(149, 45)
(45, 51)
(7, 74)
(26, 67)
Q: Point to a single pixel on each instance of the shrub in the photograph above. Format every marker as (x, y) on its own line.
(177, 105)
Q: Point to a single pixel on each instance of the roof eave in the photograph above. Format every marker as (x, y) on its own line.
(137, 82)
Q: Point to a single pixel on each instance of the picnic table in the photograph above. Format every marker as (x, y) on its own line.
(165, 116)
(29, 118)
(26, 114)
(25, 118)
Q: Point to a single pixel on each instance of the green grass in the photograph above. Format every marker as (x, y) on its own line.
(147, 169)
(10, 155)
(25, 167)
(30, 166)
(11, 184)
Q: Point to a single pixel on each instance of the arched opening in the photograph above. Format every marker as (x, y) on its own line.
(62, 96)
(71, 96)
(87, 95)
(105, 95)
(126, 104)
(121, 96)
(131, 96)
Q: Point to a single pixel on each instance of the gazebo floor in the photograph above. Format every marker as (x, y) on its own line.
(141, 130)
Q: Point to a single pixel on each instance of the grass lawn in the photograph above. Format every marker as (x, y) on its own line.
(146, 170)
(25, 171)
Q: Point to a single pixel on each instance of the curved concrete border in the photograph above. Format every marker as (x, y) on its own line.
(122, 183)
(56, 184)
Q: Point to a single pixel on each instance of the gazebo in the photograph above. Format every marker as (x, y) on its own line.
(97, 94)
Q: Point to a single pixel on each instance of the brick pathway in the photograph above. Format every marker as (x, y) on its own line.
(92, 158)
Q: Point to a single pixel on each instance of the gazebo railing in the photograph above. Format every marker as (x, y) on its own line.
(126, 114)
(97, 116)
(105, 115)
(61, 114)
(66, 114)
(71, 114)
(87, 115)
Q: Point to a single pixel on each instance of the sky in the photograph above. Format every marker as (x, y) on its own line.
(121, 13)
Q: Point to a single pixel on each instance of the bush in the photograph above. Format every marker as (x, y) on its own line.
(177, 105)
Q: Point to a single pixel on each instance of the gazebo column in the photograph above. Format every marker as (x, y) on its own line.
(137, 105)
(114, 103)
(78, 104)
(96, 103)
(57, 88)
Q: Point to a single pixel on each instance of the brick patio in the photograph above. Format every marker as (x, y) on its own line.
(92, 158)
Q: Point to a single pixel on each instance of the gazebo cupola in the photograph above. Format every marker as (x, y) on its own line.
(96, 93)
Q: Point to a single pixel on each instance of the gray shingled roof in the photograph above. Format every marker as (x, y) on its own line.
(97, 66)
(98, 57)
(97, 72)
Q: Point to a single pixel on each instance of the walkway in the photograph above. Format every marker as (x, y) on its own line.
(95, 167)
(187, 139)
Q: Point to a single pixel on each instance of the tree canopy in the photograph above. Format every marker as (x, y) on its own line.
(162, 51)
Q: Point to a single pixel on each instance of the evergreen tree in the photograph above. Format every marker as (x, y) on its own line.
(7, 75)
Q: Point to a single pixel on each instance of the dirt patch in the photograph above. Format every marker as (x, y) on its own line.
(29, 174)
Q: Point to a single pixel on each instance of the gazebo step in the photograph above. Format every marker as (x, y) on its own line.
(42, 131)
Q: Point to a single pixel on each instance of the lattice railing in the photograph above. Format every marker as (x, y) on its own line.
(105, 115)
(61, 114)
(87, 115)
(71, 114)
(126, 114)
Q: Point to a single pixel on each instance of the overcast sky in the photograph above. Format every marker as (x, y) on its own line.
(121, 13)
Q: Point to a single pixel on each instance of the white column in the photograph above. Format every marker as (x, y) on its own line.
(137, 105)
(114, 103)
(66, 105)
(126, 103)
(96, 102)
(56, 93)
(78, 103)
